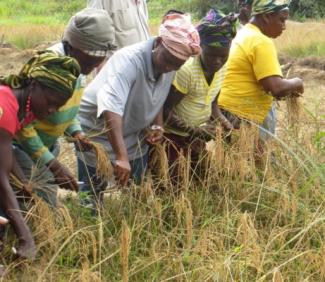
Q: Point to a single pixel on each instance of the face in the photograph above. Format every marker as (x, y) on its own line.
(244, 10)
(164, 61)
(45, 101)
(275, 23)
(213, 58)
(87, 63)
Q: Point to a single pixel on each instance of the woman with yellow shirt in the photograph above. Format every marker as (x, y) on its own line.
(254, 76)
(191, 102)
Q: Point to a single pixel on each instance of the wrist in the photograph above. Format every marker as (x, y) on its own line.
(157, 127)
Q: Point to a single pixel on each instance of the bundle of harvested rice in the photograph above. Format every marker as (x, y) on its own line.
(104, 168)
(293, 110)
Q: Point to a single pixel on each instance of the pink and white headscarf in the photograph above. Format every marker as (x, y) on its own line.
(179, 36)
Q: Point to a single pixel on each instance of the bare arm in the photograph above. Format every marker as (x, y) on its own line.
(280, 87)
(173, 99)
(8, 201)
(115, 137)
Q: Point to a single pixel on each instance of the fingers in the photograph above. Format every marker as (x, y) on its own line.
(3, 220)
(122, 172)
(155, 137)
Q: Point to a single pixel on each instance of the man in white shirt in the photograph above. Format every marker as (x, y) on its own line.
(128, 95)
(130, 19)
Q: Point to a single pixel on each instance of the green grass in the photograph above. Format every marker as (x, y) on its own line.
(316, 49)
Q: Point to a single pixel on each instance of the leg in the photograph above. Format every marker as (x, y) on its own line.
(138, 168)
(92, 187)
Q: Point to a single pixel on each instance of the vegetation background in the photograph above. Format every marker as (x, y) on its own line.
(238, 223)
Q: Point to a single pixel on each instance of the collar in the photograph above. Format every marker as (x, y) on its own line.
(148, 59)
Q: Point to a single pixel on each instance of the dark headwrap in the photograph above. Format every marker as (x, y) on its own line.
(216, 29)
(269, 6)
(49, 69)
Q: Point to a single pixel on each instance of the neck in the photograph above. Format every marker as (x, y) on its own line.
(153, 58)
(208, 74)
(257, 22)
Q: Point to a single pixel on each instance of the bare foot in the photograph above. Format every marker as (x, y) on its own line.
(26, 249)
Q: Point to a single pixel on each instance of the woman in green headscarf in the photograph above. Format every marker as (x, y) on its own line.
(254, 77)
(43, 85)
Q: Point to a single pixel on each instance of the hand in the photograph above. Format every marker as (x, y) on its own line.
(299, 87)
(27, 189)
(3, 220)
(63, 177)
(82, 143)
(122, 169)
(205, 132)
(155, 134)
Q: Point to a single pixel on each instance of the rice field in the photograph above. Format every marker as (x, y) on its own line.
(236, 221)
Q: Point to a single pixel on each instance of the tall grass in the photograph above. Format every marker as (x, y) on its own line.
(239, 222)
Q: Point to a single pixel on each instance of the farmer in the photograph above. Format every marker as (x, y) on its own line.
(191, 103)
(254, 76)
(130, 19)
(88, 38)
(128, 95)
(244, 12)
(43, 85)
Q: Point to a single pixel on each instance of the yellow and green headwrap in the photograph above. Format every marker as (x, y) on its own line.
(269, 6)
(57, 72)
(217, 29)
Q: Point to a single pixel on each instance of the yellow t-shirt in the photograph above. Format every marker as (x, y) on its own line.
(195, 107)
(252, 57)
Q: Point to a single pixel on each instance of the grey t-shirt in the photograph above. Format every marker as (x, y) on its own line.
(125, 86)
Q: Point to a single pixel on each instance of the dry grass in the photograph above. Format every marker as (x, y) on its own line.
(240, 222)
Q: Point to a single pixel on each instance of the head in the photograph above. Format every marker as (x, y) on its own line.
(244, 10)
(89, 37)
(44, 100)
(271, 16)
(216, 32)
(177, 41)
(163, 60)
(49, 79)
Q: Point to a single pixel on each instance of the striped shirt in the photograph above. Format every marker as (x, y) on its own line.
(38, 137)
(195, 107)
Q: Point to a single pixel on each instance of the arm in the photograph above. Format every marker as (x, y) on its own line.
(156, 133)
(280, 87)
(34, 146)
(122, 167)
(173, 99)
(8, 201)
(268, 72)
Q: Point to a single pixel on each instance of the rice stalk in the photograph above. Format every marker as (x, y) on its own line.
(104, 168)
(125, 241)
(159, 163)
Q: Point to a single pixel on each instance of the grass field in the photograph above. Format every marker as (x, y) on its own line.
(240, 222)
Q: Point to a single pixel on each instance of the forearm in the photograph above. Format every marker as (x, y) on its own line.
(159, 120)
(115, 134)
(279, 87)
(179, 124)
(8, 199)
(17, 170)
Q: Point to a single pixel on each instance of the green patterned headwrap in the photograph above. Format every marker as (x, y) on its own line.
(217, 29)
(51, 70)
(269, 6)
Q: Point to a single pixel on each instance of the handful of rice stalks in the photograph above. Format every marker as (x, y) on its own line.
(104, 168)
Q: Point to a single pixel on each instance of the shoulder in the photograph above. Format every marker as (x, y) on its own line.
(57, 48)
